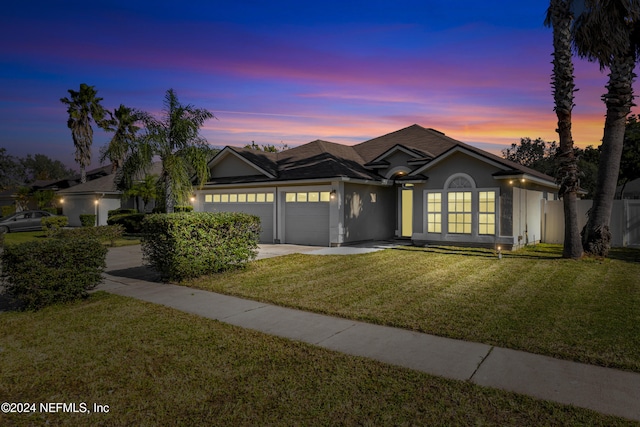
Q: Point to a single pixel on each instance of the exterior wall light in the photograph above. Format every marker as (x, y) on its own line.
(332, 194)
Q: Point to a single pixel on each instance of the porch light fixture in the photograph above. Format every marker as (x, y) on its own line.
(193, 199)
(332, 194)
(95, 202)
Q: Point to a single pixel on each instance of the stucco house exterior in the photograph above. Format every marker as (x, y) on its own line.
(415, 183)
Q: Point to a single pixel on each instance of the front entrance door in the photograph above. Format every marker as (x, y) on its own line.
(406, 215)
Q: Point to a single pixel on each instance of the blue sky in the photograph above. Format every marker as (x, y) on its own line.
(284, 72)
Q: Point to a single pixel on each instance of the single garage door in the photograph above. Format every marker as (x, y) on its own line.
(307, 218)
(260, 204)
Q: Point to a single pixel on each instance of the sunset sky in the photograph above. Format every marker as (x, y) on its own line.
(290, 72)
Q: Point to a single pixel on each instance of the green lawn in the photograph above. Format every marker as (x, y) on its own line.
(27, 236)
(531, 300)
(157, 366)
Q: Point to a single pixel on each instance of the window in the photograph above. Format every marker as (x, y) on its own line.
(434, 212)
(239, 198)
(486, 212)
(308, 197)
(459, 209)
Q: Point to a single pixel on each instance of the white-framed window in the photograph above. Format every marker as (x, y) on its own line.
(308, 197)
(487, 212)
(459, 213)
(239, 198)
(434, 212)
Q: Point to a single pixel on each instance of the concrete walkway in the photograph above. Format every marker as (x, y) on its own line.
(608, 391)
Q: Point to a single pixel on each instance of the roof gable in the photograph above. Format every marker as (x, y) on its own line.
(242, 162)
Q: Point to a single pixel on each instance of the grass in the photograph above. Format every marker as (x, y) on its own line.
(27, 236)
(531, 300)
(153, 365)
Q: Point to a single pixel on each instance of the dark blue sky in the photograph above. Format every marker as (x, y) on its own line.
(290, 72)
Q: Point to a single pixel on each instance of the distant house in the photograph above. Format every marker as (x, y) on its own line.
(415, 183)
(96, 197)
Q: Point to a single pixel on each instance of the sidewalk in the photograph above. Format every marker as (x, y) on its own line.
(604, 390)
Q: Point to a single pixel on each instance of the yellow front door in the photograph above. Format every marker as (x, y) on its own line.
(407, 213)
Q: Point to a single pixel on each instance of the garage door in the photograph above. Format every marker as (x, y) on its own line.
(307, 218)
(260, 204)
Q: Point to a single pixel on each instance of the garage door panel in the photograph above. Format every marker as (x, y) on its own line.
(264, 211)
(307, 223)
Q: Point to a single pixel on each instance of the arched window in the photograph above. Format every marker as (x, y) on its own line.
(460, 180)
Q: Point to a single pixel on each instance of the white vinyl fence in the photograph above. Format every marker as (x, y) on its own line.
(625, 221)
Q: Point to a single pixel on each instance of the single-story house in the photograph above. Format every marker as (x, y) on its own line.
(96, 197)
(415, 183)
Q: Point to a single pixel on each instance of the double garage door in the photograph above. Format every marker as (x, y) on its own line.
(305, 215)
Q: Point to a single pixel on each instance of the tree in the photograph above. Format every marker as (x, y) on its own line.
(560, 17)
(535, 154)
(588, 166)
(121, 150)
(42, 167)
(10, 170)
(83, 107)
(608, 31)
(175, 138)
(269, 148)
(630, 161)
(145, 189)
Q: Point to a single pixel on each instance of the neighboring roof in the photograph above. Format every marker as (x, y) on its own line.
(103, 184)
(323, 159)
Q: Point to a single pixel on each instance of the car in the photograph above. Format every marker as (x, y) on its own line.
(23, 221)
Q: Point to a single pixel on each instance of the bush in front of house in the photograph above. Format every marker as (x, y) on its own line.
(187, 245)
(41, 273)
(88, 220)
(132, 222)
(53, 224)
(120, 211)
(104, 233)
(8, 210)
(183, 208)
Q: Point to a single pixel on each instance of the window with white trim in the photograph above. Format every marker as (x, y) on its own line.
(459, 212)
(487, 212)
(308, 197)
(239, 198)
(434, 212)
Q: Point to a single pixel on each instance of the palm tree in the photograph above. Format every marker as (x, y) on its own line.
(175, 138)
(145, 189)
(608, 31)
(560, 17)
(121, 148)
(83, 107)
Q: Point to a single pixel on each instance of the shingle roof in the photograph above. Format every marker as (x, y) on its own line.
(323, 159)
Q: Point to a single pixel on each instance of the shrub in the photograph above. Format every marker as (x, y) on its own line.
(50, 271)
(51, 210)
(187, 245)
(183, 208)
(53, 224)
(8, 210)
(88, 220)
(121, 211)
(104, 233)
(132, 223)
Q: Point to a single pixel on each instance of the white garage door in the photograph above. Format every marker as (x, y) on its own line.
(307, 218)
(260, 204)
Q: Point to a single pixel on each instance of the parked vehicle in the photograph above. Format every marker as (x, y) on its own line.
(23, 221)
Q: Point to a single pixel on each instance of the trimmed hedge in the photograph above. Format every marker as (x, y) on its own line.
(88, 220)
(121, 211)
(8, 210)
(50, 271)
(132, 223)
(104, 233)
(187, 245)
(183, 208)
(53, 224)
